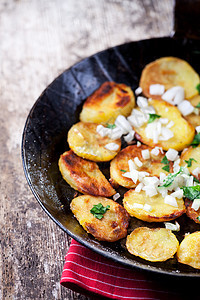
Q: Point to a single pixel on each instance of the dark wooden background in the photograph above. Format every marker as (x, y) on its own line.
(38, 40)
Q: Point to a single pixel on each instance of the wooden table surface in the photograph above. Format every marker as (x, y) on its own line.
(38, 40)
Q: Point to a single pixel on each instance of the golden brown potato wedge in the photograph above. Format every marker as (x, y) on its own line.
(170, 72)
(160, 211)
(107, 102)
(183, 131)
(157, 244)
(87, 143)
(112, 226)
(191, 156)
(84, 175)
(189, 250)
(193, 118)
(119, 165)
(191, 213)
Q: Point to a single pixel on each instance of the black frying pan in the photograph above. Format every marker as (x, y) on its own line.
(58, 108)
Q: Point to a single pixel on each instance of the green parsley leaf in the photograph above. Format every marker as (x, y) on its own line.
(198, 105)
(191, 192)
(198, 88)
(166, 168)
(111, 126)
(198, 218)
(196, 180)
(123, 171)
(152, 117)
(99, 210)
(170, 178)
(165, 160)
(196, 140)
(189, 162)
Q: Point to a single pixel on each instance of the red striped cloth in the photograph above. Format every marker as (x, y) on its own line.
(91, 274)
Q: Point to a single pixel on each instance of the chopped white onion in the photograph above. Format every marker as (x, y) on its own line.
(177, 194)
(170, 124)
(138, 144)
(163, 120)
(116, 133)
(196, 172)
(170, 200)
(131, 165)
(137, 205)
(150, 190)
(122, 122)
(138, 91)
(155, 151)
(112, 146)
(166, 134)
(116, 196)
(186, 108)
(174, 95)
(134, 175)
(145, 154)
(156, 89)
(196, 204)
(148, 110)
(147, 207)
(142, 101)
(138, 162)
(129, 137)
(139, 187)
(172, 154)
(171, 226)
(198, 129)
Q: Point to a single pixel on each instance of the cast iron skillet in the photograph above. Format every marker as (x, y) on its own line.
(58, 108)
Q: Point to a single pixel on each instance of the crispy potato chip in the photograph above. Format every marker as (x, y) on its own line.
(158, 244)
(191, 158)
(194, 119)
(107, 102)
(183, 132)
(84, 175)
(189, 250)
(112, 226)
(190, 212)
(159, 211)
(170, 72)
(119, 165)
(87, 143)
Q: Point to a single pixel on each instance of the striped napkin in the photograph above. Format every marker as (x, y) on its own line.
(95, 276)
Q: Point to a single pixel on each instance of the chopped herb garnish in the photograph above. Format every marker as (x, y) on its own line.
(198, 218)
(165, 160)
(198, 105)
(99, 210)
(111, 126)
(166, 168)
(196, 140)
(170, 178)
(198, 88)
(189, 162)
(123, 171)
(196, 180)
(191, 192)
(152, 117)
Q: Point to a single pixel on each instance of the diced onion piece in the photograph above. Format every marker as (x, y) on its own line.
(116, 133)
(137, 118)
(142, 174)
(163, 120)
(138, 162)
(142, 102)
(139, 187)
(196, 172)
(148, 110)
(137, 205)
(170, 200)
(151, 181)
(155, 151)
(130, 136)
(196, 204)
(176, 166)
(147, 207)
(103, 131)
(112, 146)
(174, 96)
(150, 190)
(134, 175)
(171, 226)
(177, 194)
(156, 89)
(170, 124)
(166, 134)
(122, 122)
(131, 165)
(116, 196)
(138, 144)
(172, 154)
(138, 91)
(145, 154)
(198, 129)
(186, 108)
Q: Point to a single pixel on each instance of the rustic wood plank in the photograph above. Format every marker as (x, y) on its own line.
(40, 39)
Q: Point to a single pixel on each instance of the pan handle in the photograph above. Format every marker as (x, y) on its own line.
(187, 19)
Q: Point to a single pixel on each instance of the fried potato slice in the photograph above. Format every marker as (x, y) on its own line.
(170, 72)
(183, 131)
(191, 156)
(87, 143)
(157, 244)
(113, 225)
(193, 118)
(119, 165)
(190, 212)
(189, 250)
(160, 211)
(84, 176)
(107, 102)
